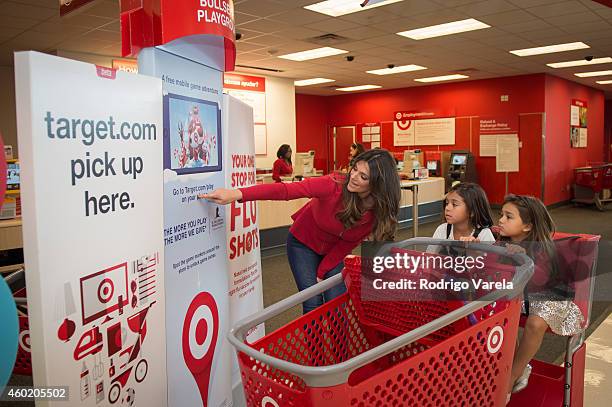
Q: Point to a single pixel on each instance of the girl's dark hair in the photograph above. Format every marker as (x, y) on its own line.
(478, 208)
(533, 212)
(385, 190)
(282, 150)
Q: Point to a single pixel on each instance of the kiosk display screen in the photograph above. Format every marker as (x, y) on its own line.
(192, 135)
(459, 159)
(12, 176)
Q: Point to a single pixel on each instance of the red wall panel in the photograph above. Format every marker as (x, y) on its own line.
(561, 159)
(608, 131)
(311, 127)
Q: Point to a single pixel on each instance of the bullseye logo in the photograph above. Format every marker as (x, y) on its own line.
(495, 339)
(200, 331)
(398, 116)
(404, 125)
(24, 340)
(106, 290)
(268, 401)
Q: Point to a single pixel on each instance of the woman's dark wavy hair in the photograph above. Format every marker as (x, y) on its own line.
(282, 150)
(384, 188)
(478, 208)
(359, 149)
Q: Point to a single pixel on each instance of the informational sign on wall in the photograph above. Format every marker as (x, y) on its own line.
(507, 153)
(423, 128)
(242, 228)
(252, 91)
(430, 132)
(92, 220)
(490, 128)
(578, 124)
(194, 231)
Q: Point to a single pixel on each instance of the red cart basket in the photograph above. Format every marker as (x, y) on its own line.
(593, 184)
(329, 358)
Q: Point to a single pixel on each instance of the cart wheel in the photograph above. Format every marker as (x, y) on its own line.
(141, 370)
(114, 393)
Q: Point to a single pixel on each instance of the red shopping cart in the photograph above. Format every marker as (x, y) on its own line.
(329, 358)
(593, 184)
(551, 385)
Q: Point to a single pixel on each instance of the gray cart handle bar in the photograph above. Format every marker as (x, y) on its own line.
(331, 375)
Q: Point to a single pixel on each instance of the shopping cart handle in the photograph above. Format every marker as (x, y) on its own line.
(324, 376)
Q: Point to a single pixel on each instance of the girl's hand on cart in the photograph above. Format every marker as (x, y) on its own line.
(469, 239)
(515, 249)
(319, 280)
(222, 196)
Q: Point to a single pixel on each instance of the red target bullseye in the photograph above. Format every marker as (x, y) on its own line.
(106, 289)
(404, 125)
(495, 339)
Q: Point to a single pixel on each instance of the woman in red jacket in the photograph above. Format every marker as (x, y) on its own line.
(342, 212)
(282, 166)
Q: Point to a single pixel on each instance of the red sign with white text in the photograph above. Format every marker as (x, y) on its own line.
(147, 23)
(499, 125)
(423, 114)
(244, 82)
(183, 18)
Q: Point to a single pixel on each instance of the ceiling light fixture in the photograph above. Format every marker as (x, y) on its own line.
(360, 87)
(439, 30)
(313, 54)
(336, 8)
(442, 78)
(313, 81)
(609, 82)
(396, 69)
(549, 49)
(595, 73)
(580, 62)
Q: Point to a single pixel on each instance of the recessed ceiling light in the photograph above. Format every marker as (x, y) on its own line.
(337, 8)
(595, 73)
(439, 30)
(360, 87)
(396, 69)
(580, 62)
(549, 49)
(442, 78)
(313, 81)
(313, 54)
(604, 82)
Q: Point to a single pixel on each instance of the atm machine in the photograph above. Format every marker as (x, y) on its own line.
(462, 168)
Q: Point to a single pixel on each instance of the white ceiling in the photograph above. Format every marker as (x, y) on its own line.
(276, 27)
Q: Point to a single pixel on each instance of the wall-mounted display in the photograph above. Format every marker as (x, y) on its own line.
(578, 124)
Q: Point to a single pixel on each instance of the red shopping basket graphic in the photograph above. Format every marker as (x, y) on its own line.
(328, 357)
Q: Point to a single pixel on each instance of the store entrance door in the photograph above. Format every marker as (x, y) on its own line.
(343, 138)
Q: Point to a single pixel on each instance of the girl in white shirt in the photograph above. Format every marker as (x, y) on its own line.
(468, 217)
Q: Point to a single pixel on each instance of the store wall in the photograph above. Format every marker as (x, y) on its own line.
(280, 118)
(311, 125)
(468, 100)
(8, 118)
(561, 159)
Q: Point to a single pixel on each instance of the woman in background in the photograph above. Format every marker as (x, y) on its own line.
(356, 149)
(282, 166)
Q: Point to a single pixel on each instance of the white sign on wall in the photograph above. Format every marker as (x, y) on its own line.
(430, 132)
(90, 141)
(403, 132)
